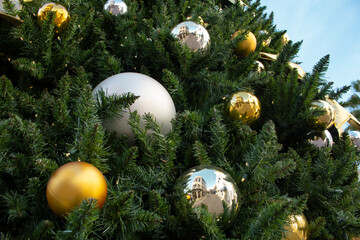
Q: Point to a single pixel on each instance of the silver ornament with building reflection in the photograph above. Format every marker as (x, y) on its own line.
(193, 35)
(115, 7)
(322, 139)
(212, 188)
(355, 138)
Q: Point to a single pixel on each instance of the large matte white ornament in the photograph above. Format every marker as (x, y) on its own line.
(153, 98)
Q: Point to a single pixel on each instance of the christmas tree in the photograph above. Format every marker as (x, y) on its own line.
(252, 128)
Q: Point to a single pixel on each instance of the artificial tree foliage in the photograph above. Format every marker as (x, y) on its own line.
(49, 117)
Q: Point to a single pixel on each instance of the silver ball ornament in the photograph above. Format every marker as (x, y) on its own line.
(153, 98)
(355, 138)
(193, 35)
(116, 7)
(322, 139)
(213, 188)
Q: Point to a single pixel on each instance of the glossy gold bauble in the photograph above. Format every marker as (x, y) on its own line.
(246, 46)
(327, 119)
(212, 188)
(72, 183)
(244, 106)
(297, 229)
(61, 19)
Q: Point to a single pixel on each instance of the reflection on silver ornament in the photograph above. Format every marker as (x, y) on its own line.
(212, 188)
(115, 7)
(193, 35)
(355, 138)
(322, 139)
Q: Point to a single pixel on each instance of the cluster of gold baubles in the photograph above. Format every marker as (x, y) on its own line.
(73, 183)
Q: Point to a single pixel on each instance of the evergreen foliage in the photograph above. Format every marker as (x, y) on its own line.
(49, 117)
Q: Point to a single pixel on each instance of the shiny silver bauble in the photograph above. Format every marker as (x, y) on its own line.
(115, 7)
(193, 35)
(212, 188)
(355, 138)
(322, 139)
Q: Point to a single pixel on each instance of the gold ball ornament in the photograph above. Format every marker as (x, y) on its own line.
(244, 106)
(72, 183)
(61, 19)
(297, 229)
(327, 119)
(246, 46)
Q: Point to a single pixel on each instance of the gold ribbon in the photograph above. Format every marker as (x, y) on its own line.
(291, 65)
(343, 116)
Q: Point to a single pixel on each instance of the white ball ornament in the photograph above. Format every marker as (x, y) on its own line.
(153, 98)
